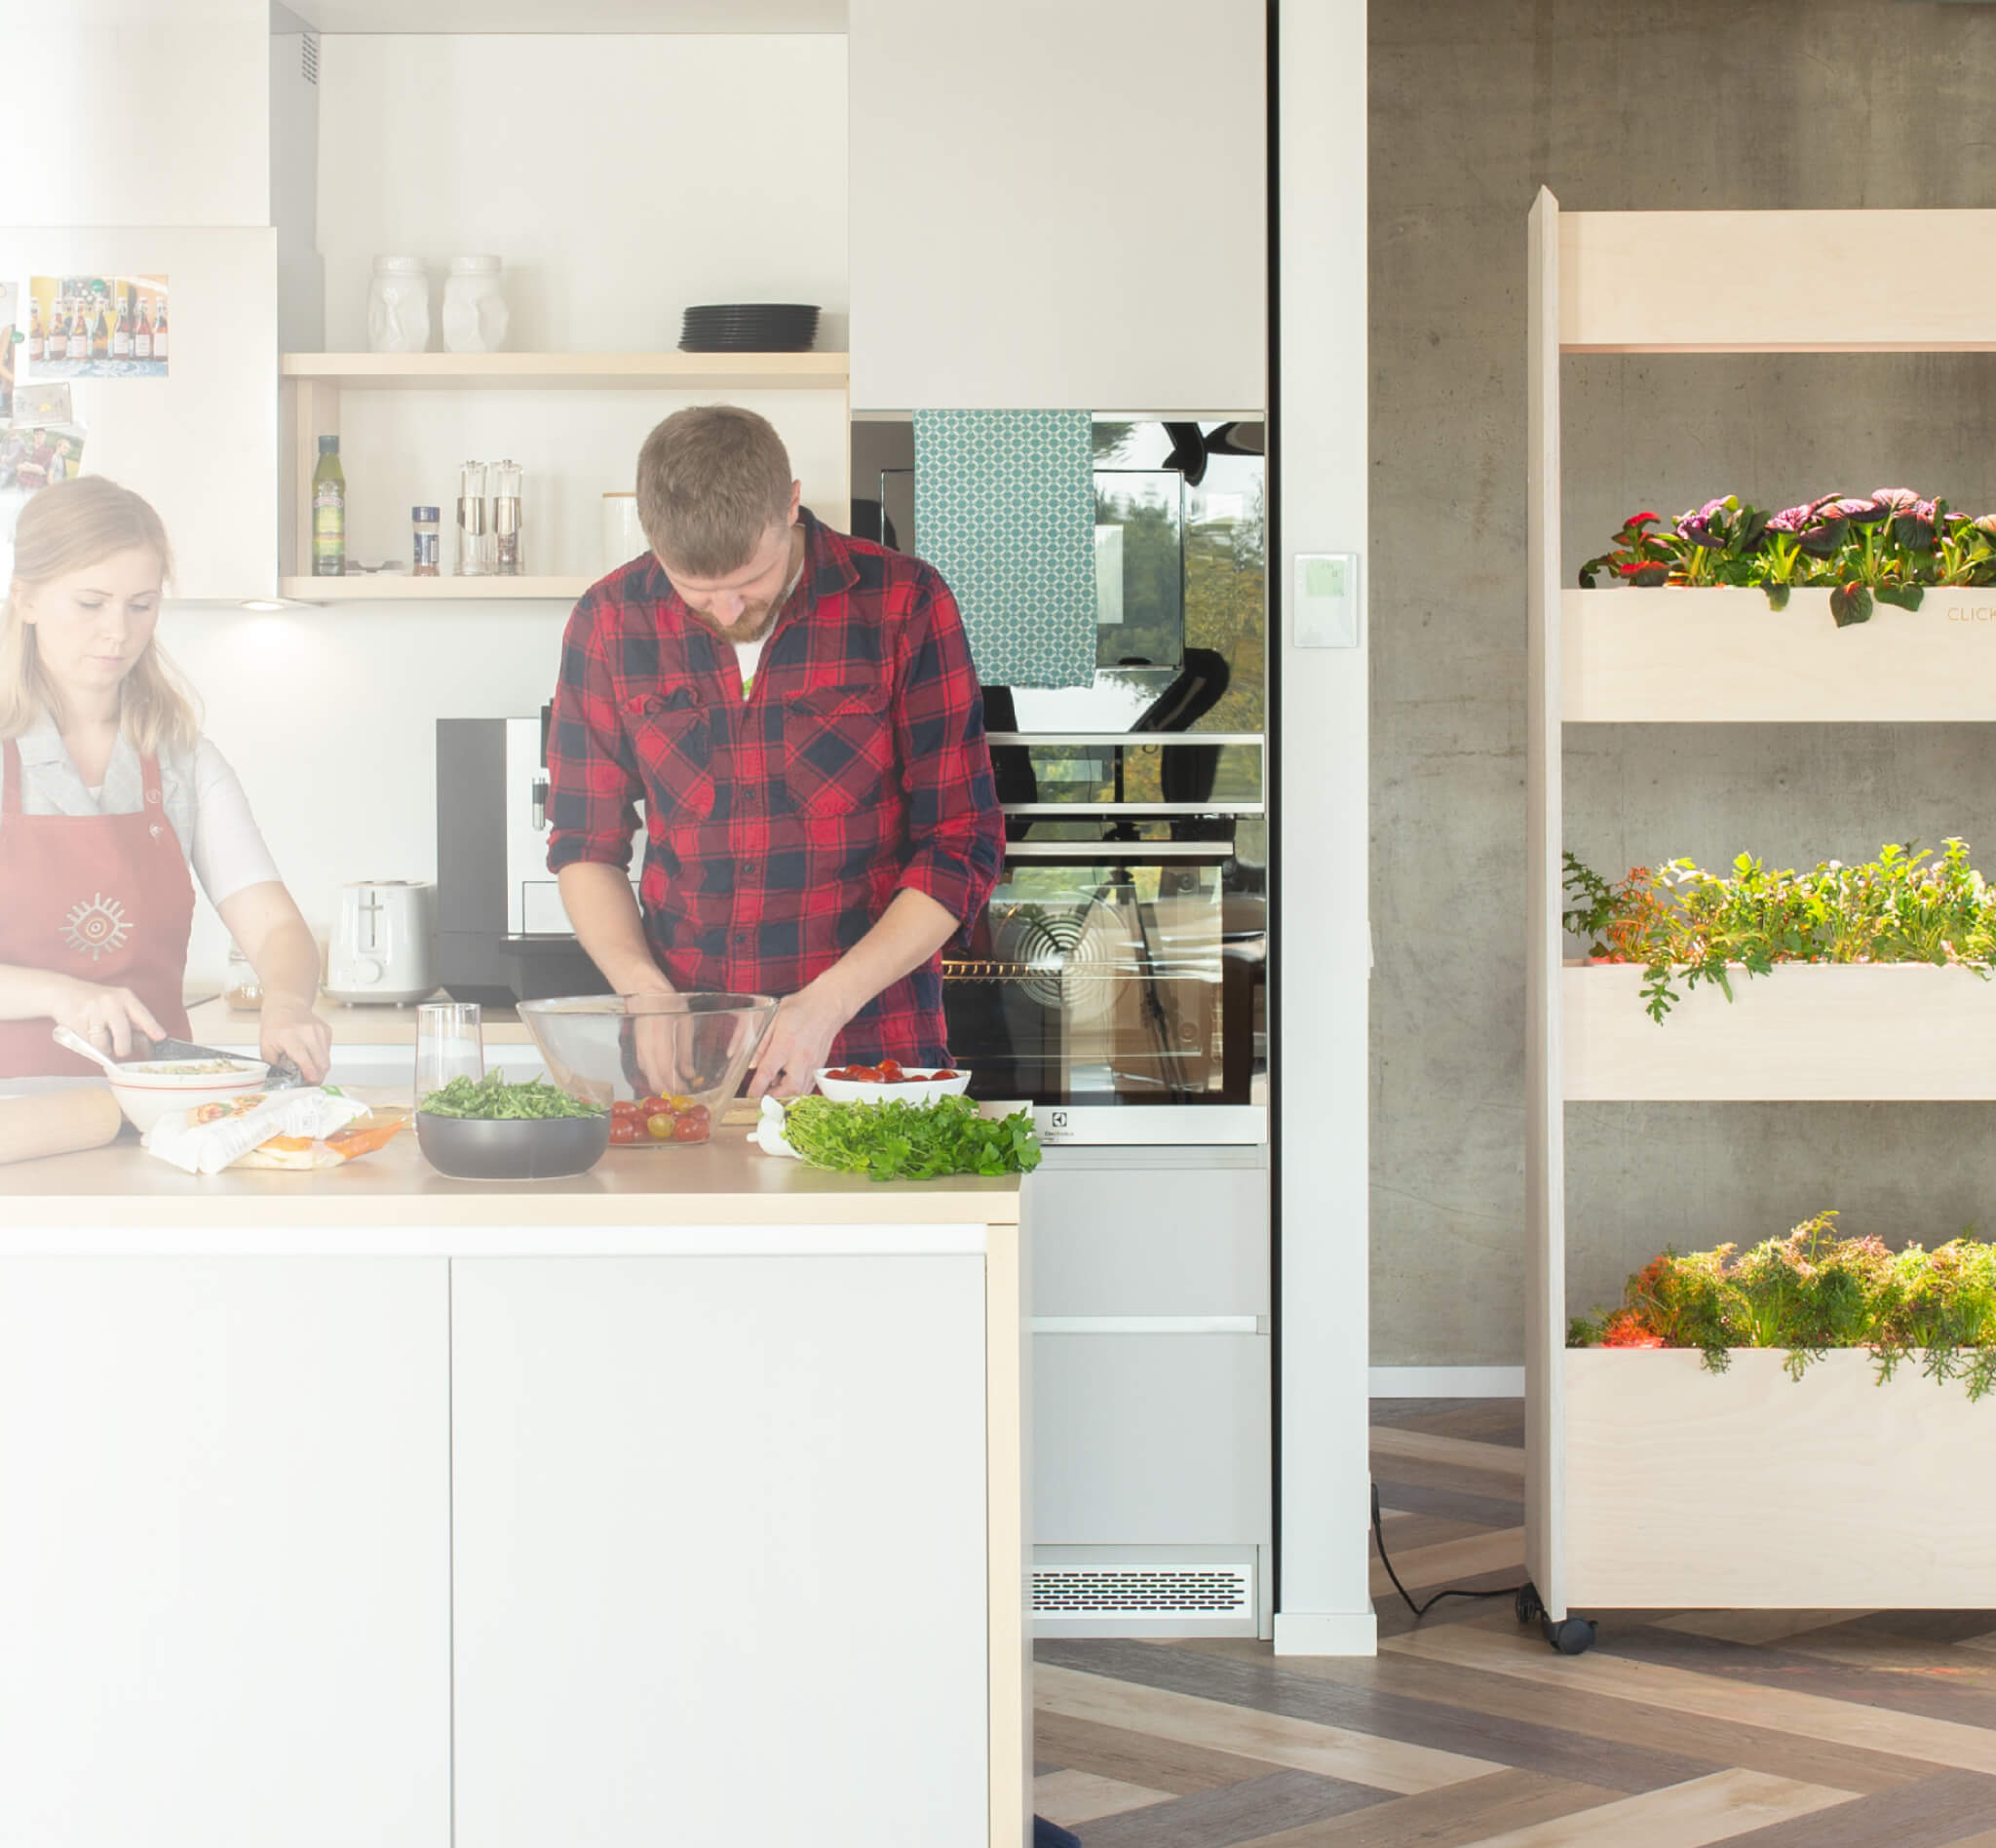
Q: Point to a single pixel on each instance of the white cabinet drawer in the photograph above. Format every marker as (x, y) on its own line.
(1156, 1439)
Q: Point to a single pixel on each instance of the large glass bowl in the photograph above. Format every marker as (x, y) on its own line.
(605, 1048)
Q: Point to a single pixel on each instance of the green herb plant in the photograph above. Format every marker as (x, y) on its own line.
(1812, 1292)
(493, 1097)
(1688, 925)
(896, 1140)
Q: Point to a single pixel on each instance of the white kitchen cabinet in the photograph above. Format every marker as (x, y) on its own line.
(202, 442)
(1058, 204)
(224, 1553)
(719, 1550)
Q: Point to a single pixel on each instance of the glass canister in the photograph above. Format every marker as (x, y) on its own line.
(474, 554)
(474, 312)
(398, 306)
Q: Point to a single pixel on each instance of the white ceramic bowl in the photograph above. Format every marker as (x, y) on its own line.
(917, 1091)
(146, 1091)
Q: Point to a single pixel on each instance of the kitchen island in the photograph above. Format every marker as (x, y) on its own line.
(680, 1502)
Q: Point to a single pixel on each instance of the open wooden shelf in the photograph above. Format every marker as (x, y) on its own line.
(570, 371)
(399, 587)
(1809, 1032)
(1696, 656)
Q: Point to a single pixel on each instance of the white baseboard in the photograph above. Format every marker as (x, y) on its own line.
(1446, 1382)
(1325, 1633)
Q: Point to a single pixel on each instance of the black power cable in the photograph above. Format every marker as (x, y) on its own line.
(1421, 1610)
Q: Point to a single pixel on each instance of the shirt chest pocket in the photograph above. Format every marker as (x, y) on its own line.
(838, 746)
(671, 734)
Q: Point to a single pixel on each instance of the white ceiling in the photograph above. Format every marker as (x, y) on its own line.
(573, 16)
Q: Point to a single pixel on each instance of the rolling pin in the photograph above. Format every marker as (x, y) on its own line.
(58, 1122)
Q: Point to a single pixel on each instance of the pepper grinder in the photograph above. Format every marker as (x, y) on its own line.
(505, 517)
(474, 529)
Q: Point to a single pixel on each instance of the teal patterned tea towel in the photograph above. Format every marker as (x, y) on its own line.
(1005, 509)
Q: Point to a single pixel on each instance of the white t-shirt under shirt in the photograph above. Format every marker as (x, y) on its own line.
(203, 798)
(748, 654)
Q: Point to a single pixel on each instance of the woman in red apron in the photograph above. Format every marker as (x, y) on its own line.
(106, 788)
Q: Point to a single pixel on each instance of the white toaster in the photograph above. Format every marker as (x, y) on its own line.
(384, 945)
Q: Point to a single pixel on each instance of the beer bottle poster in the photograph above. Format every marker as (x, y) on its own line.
(98, 326)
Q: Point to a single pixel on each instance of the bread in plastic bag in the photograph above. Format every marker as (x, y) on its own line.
(302, 1129)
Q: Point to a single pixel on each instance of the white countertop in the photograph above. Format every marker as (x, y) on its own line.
(721, 1196)
(214, 1023)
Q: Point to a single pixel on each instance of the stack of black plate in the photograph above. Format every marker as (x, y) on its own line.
(750, 326)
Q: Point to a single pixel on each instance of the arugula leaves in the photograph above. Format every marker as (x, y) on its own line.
(491, 1097)
(895, 1140)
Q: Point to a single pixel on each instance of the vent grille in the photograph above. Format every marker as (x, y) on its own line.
(1214, 1592)
(308, 56)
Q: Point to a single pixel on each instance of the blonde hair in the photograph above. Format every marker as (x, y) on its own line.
(68, 527)
(711, 481)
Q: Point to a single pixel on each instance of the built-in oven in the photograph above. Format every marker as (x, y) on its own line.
(1117, 977)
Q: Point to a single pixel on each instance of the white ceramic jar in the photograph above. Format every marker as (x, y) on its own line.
(398, 306)
(474, 312)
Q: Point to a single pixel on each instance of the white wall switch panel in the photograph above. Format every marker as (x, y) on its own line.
(1326, 599)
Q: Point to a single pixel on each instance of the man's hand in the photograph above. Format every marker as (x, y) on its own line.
(800, 1039)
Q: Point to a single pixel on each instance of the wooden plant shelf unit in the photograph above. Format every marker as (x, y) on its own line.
(1702, 657)
(1650, 1482)
(313, 383)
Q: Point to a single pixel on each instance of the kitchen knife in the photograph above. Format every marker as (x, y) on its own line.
(283, 1073)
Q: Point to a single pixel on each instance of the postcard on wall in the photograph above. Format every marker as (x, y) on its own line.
(98, 326)
(37, 455)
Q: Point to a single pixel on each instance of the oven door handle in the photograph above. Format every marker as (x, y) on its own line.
(1096, 853)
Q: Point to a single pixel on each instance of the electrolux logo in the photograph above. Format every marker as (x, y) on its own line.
(1971, 612)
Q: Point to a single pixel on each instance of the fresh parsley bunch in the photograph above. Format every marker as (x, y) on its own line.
(896, 1140)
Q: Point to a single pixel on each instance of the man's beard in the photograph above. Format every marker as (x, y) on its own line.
(742, 630)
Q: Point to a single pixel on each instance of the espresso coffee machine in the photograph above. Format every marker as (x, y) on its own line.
(502, 934)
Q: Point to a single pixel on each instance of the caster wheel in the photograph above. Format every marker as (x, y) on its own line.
(1571, 1635)
(1528, 1607)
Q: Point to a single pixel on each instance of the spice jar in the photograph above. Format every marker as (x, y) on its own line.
(398, 306)
(427, 540)
(474, 312)
(242, 989)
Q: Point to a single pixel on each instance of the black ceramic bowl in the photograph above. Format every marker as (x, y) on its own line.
(512, 1148)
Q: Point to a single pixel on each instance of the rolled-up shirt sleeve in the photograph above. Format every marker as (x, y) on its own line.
(593, 780)
(956, 827)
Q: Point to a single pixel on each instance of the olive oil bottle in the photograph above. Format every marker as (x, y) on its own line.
(329, 512)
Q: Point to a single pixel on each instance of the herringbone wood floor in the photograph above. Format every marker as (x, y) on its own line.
(1794, 1729)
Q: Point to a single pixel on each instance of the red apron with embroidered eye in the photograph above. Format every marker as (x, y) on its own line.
(105, 898)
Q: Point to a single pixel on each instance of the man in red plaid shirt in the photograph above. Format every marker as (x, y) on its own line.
(800, 715)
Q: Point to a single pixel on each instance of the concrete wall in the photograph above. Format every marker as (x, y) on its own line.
(1620, 106)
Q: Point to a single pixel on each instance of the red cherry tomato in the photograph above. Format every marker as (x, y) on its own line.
(695, 1113)
(624, 1107)
(863, 1074)
(943, 1076)
(624, 1129)
(660, 1127)
(689, 1128)
(890, 1069)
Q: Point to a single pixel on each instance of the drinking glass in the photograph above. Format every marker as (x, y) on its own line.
(451, 1043)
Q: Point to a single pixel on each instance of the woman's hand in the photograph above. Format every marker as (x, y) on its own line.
(105, 1017)
(289, 1029)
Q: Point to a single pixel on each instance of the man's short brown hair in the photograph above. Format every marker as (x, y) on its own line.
(711, 481)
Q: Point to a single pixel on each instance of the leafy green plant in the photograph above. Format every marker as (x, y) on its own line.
(1689, 927)
(911, 1141)
(1812, 1292)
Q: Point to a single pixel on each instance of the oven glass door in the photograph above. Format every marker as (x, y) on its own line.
(1111, 974)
